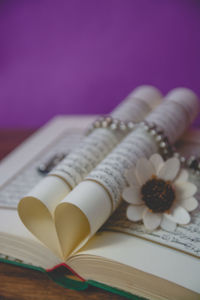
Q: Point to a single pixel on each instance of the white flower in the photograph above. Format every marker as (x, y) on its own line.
(159, 193)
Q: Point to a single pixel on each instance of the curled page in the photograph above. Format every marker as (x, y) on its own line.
(174, 119)
(100, 194)
(36, 209)
(100, 142)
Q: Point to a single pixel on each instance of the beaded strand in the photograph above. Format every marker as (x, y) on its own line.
(165, 149)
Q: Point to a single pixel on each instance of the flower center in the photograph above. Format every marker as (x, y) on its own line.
(158, 194)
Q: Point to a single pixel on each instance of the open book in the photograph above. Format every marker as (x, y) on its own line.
(121, 257)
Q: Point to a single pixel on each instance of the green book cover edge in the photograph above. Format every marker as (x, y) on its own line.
(114, 290)
(54, 275)
(21, 264)
(69, 283)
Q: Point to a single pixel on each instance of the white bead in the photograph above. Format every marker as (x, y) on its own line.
(153, 132)
(162, 144)
(159, 138)
(130, 125)
(104, 124)
(113, 126)
(182, 159)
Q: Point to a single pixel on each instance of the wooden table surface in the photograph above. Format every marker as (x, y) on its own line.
(19, 283)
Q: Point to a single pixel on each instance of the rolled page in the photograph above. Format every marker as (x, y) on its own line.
(99, 195)
(185, 106)
(36, 209)
(73, 169)
(100, 142)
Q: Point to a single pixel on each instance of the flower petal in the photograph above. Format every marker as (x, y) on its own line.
(151, 220)
(189, 204)
(182, 176)
(185, 189)
(167, 224)
(157, 161)
(179, 215)
(144, 170)
(132, 195)
(131, 177)
(134, 213)
(170, 169)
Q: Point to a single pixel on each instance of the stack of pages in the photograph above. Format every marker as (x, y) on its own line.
(62, 207)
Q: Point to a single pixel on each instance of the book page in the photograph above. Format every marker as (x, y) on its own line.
(184, 239)
(120, 255)
(16, 242)
(26, 177)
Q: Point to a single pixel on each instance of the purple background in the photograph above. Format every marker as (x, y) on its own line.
(80, 57)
